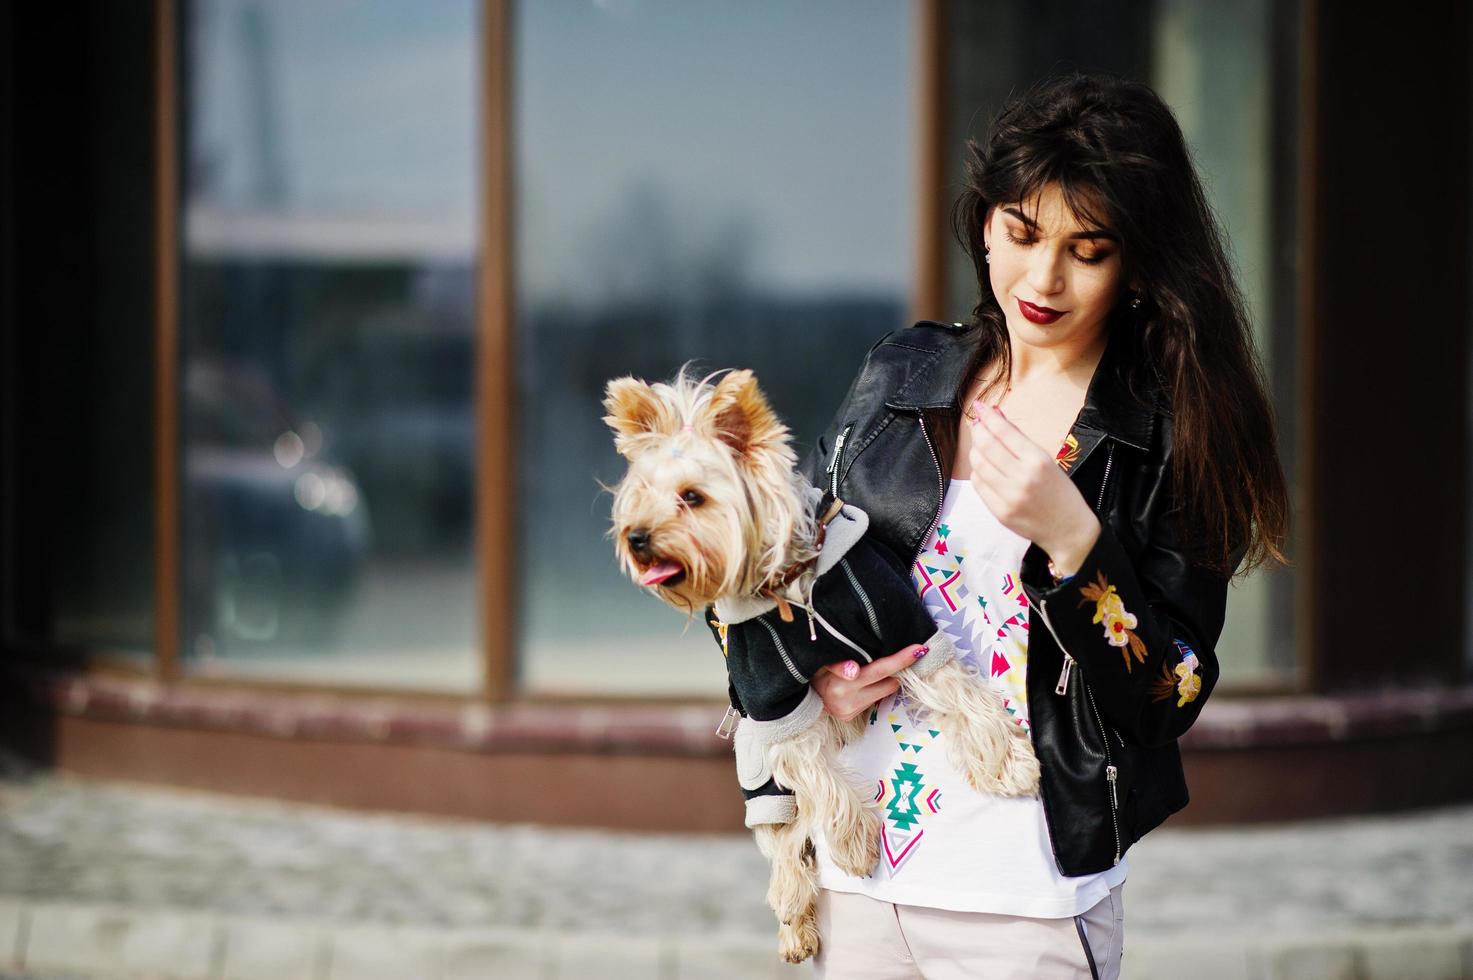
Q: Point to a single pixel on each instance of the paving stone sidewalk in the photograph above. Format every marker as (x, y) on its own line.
(110, 879)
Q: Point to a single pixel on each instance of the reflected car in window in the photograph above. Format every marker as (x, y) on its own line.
(276, 531)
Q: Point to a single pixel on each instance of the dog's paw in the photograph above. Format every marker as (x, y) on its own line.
(984, 776)
(1017, 775)
(1025, 771)
(855, 848)
(798, 940)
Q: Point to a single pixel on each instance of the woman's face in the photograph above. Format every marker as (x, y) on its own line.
(1055, 279)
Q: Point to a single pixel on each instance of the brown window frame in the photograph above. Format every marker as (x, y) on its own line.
(495, 506)
(494, 367)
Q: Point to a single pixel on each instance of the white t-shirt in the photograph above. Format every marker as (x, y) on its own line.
(945, 845)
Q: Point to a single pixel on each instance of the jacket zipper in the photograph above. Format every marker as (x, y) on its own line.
(1111, 773)
(1063, 686)
(940, 495)
(869, 609)
(1109, 459)
(834, 462)
(782, 651)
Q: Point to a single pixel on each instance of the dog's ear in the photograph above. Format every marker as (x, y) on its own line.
(635, 409)
(738, 415)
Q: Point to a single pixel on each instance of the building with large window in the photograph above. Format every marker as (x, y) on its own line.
(306, 311)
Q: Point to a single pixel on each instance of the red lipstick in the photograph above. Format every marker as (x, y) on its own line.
(1039, 314)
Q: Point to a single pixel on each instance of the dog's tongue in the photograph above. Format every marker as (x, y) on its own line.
(659, 572)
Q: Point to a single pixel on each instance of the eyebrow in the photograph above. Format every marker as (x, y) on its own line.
(1098, 233)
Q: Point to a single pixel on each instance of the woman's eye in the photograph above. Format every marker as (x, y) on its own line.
(693, 498)
(1092, 258)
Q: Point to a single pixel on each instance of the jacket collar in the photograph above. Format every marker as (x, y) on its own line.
(939, 377)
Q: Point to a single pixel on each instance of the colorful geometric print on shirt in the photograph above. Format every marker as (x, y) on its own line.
(982, 607)
(944, 845)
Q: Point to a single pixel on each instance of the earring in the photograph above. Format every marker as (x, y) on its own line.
(987, 253)
(1135, 303)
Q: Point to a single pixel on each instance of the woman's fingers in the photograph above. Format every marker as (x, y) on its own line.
(846, 697)
(994, 452)
(988, 480)
(845, 703)
(840, 697)
(890, 665)
(1007, 434)
(847, 669)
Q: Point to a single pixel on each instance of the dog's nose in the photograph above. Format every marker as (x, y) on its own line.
(639, 540)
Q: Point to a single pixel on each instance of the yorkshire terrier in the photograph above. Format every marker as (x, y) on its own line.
(713, 517)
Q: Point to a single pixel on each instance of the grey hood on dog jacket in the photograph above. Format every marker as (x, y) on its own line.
(863, 606)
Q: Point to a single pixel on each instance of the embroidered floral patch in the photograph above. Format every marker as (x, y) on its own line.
(1068, 452)
(1180, 681)
(1119, 624)
(721, 629)
(1190, 684)
(1164, 686)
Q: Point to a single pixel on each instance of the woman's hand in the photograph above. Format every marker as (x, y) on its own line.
(1027, 491)
(848, 690)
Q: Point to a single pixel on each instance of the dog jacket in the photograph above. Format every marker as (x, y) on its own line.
(863, 606)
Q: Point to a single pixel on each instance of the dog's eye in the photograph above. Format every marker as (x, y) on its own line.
(693, 498)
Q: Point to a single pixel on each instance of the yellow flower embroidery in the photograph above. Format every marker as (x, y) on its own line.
(1068, 452)
(721, 629)
(1119, 624)
(1191, 684)
(1181, 681)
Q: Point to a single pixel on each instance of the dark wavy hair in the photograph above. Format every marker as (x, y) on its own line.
(1118, 157)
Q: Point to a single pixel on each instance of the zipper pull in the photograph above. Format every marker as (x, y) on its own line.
(728, 722)
(1063, 686)
(838, 448)
(1110, 778)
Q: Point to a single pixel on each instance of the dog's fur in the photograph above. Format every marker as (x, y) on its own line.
(712, 492)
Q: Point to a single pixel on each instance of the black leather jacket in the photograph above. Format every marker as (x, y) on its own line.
(1120, 657)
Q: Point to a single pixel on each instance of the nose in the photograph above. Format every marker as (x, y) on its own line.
(639, 540)
(1045, 271)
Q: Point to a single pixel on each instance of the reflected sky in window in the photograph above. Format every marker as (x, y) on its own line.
(334, 105)
(770, 131)
(708, 181)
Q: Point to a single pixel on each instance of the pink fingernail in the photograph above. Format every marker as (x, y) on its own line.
(922, 652)
(850, 670)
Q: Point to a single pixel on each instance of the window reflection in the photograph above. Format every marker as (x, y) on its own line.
(327, 325)
(696, 180)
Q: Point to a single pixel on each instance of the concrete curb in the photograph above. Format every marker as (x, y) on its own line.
(183, 944)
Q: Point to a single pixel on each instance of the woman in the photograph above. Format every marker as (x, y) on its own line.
(1074, 477)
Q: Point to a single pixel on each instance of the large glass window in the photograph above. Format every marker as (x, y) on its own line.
(1230, 75)
(328, 247)
(729, 183)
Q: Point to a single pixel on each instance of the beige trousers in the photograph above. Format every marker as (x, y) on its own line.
(867, 939)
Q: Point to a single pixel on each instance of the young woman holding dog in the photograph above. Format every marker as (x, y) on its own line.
(1111, 458)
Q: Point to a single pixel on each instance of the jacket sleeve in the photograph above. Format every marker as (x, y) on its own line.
(1142, 633)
